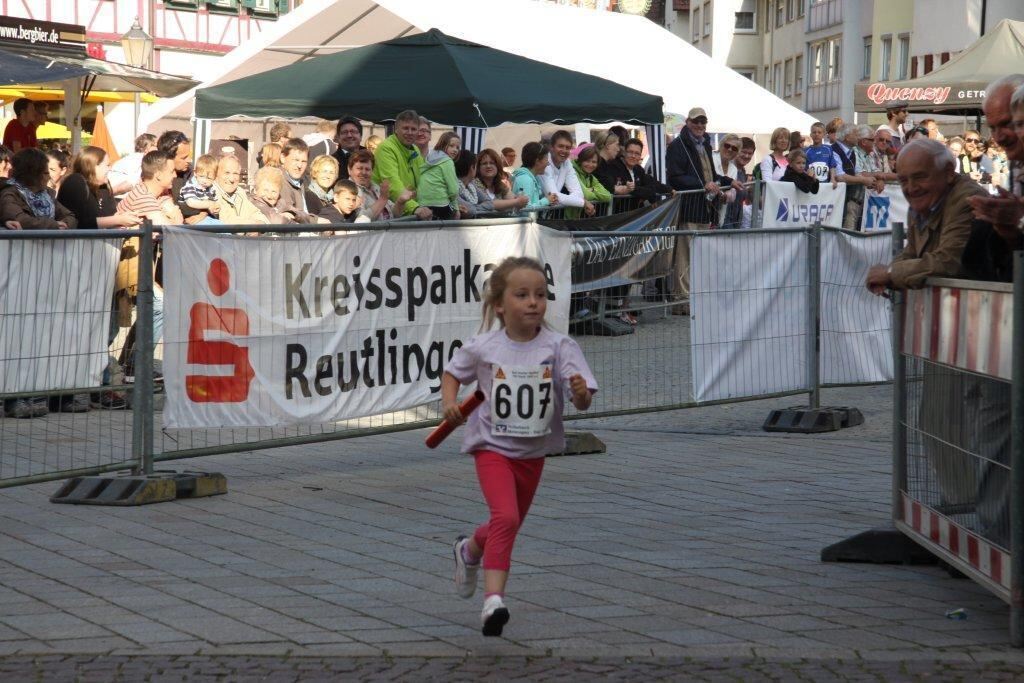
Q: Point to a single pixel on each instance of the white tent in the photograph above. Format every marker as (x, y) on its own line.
(624, 48)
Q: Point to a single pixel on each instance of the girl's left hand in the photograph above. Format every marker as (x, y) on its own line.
(580, 393)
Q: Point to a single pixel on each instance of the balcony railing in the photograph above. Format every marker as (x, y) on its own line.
(822, 96)
(823, 14)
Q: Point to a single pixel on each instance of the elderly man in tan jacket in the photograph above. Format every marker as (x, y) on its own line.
(235, 206)
(939, 220)
(939, 225)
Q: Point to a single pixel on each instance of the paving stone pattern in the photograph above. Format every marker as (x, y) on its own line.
(690, 549)
(123, 669)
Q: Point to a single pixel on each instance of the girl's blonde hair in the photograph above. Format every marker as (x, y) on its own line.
(271, 153)
(795, 154)
(496, 285)
(444, 140)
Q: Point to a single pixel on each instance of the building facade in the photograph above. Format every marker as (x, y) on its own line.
(189, 35)
(943, 28)
(812, 53)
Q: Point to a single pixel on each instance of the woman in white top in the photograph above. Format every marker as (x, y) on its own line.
(773, 166)
(724, 162)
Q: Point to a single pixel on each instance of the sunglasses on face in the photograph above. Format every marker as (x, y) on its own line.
(972, 139)
(700, 121)
(731, 148)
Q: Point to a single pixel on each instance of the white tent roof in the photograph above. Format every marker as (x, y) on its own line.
(587, 41)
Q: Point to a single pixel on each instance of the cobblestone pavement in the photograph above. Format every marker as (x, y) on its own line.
(118, 669)
(690, 549)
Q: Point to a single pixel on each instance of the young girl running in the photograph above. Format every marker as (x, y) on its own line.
(526, 370)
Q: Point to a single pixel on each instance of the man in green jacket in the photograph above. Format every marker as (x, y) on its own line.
(398, 161)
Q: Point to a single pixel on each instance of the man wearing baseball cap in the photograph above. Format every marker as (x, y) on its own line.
(689, 166)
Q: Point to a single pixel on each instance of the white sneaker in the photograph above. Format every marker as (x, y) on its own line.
(465, 574)
(495, 616)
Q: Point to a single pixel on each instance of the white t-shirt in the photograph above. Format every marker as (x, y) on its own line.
(492, 357)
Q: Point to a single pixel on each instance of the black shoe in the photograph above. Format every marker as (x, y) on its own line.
(494, 616)
(108, 400)
(77, 403)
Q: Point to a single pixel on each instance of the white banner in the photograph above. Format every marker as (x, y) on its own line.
(748, 298)
(55, 312)
(749, 303)
(268, 331)
(787, 207)
(855, 324)
(882, 209)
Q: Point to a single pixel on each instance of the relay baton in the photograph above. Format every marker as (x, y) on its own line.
(446, 427)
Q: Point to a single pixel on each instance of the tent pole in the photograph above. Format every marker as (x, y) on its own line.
(136, 100)
(73, 110)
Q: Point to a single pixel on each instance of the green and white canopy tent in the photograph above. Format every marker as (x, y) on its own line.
(451, 81)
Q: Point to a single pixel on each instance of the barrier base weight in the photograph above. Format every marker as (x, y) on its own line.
(878, 546)
(129, 490)
(812, 420)
(581, 443)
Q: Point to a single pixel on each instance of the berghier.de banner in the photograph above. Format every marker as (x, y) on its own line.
(787, 207)
(268, 331)
(622, 259)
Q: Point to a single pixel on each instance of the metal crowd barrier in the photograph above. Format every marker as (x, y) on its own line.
(958, 444)
(644, 366)
(57, 357)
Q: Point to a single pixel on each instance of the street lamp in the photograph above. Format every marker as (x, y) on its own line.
(137, 45)
(138, 48)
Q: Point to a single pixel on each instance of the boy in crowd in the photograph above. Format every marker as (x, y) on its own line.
(198, 192)
(20, 133)
(151, 196)
(821, 161)
(345, 208)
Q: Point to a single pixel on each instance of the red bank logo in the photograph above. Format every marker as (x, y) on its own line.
(203, 318)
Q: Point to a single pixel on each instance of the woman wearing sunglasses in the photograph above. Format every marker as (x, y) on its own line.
(974, 162)
(725, 163)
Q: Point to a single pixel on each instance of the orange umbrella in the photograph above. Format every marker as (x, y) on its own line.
(101, 137)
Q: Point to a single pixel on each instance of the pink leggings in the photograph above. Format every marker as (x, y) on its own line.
(508, 485)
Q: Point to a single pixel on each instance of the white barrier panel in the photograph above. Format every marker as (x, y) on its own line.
(855, 324)
(882, 209)
(268, 331)
(787, 207)
(748, 298)
(55, 312)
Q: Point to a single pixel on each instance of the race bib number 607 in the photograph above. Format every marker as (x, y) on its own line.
(521, 401)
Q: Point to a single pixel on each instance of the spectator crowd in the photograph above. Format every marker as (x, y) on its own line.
(334, 176)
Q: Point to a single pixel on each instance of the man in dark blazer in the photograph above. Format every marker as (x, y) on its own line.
(690, 168)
